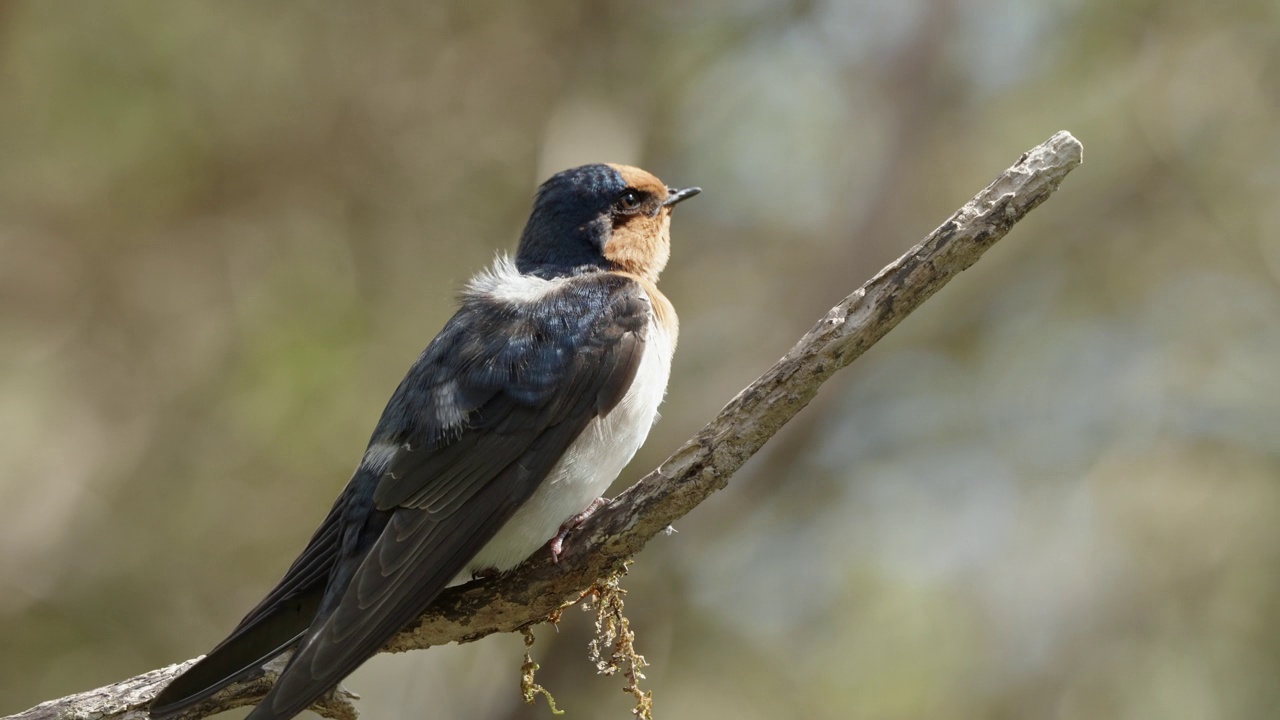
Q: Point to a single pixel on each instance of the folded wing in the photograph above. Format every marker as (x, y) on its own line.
(475, 427)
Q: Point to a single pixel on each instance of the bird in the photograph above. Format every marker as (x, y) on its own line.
(499, 440)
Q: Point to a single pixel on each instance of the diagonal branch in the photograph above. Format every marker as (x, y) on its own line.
(537, 589)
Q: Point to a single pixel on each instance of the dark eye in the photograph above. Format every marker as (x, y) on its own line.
(630, 200)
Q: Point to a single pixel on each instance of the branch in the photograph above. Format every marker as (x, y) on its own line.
(538, 590)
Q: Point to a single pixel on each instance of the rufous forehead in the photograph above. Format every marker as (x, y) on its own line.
(641, 179)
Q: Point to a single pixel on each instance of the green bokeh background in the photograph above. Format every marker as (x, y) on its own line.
(226, 229)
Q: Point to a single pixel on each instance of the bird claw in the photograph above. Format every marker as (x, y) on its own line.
(573, 523)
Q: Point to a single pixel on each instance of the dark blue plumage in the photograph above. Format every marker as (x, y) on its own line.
(537, 352)
(571, 221)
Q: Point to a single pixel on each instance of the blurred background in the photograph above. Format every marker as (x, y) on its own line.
(227, 229)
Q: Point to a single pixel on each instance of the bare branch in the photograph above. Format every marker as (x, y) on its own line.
(538, 589)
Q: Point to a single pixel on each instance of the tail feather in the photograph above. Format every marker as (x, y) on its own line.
(239, 655)
(279, 621)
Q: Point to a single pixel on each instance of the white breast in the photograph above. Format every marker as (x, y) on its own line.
(590, 464)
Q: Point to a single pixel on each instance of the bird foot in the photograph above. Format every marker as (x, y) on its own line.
(485, 573)
(573, 523)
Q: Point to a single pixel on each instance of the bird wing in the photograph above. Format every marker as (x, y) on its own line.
(477, 424)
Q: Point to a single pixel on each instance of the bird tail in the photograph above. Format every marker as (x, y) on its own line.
(239, 655)
(279, 621)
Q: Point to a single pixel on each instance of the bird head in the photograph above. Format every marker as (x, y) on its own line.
(612, 217)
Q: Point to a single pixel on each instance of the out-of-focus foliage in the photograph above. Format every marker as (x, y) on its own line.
(226, 229)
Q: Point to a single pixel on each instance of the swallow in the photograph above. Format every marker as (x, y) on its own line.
(506, 429)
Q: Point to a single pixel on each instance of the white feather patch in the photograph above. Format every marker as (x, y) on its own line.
(503, 282)
(378, 456)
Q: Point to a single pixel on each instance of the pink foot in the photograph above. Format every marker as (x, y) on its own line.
(557, 542)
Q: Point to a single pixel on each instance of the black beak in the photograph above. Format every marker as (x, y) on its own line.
(680, 195)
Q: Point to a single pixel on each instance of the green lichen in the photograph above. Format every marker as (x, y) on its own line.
(613, 648)
(530, 689)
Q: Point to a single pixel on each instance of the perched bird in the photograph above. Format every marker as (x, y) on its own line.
(503, 433)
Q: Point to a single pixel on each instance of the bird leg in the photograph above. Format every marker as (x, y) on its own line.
(573, 523)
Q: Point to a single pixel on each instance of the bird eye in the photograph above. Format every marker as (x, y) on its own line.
(630, 200)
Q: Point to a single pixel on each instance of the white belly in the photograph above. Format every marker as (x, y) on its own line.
(588, 467)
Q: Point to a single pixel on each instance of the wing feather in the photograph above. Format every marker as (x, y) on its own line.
(480, 421)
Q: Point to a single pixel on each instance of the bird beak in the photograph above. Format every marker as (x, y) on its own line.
(679, 195)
